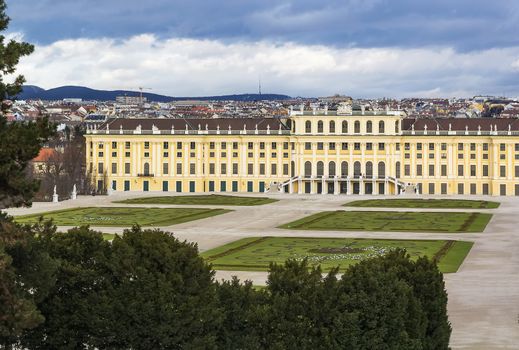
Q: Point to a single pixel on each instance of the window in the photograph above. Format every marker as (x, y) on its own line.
(431, 147)
(101, 154)
(285, 145)
(502, 171)
(472, 170)
(344, 127)
(274, 155)
(502, 147)
(250, 145)
(381, 169)
(472, 147)
(146, 145)
(165, 168)
(235, 145)
(114, 144)
(250, 169)
(419, 146)
(166, 154)
(114, 154)
(460, 147)
(485, 170)
(146, 154)
(262, 145)
(127, 145)
(460, 170)
(517, 147)
(381, 146)
(320, 168)
(356, 127)
(308, 169)
(356, 146)
(114, 168)
(308, 146)
(485, 147)
(223, 145)
(344, 169)
(179, 145)
(179, 168)
(192, 168)
(407, 170)
(431, 169)
(101, 145)
(165, 145)
(444, 170)
(211, 145)
(211, 168)
(397, 127)
(127, 168)
(332, 126)
(472, 188)
(285, 169)
(344, 146)
(461, 188)
(369, 127)
(431, 188)
(308, 127)
(235, 168)
(192, 145)
(331, 169)
(146, 168)
(320, 146)
(274, 145)
(331, 146)
(369, 146)
(443, 188)
(273, 169)
(516, 171)
(419, 170)
(262, 169)
(100, 168)
(381, 127)
(320, 126)
(444, 146)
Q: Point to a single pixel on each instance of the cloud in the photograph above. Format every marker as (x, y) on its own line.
(465, 25)
(195, 67)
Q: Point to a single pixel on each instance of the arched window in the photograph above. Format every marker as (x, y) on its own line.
(344, 127)
(331, 169)
(369, 169)
(292, 169)
(369, 127)
(320, 126)
(308, 169)
(332, 127)
(308, 127)
(397, 128)
(356, 127)
(381, 127)
(381, 169)
(344, 169)
(356, 169)
(397, 170)
(146, 168)
(320, 168)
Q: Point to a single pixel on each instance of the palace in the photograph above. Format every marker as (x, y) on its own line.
(318, 152)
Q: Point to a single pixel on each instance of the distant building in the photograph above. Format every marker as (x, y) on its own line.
(131, 100)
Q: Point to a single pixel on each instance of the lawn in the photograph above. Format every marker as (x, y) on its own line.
(117, 216)
(392, 221)
(424, 203)
(255, 254)
(212, 199)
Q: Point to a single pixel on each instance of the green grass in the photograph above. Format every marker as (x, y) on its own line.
(108, 236)
(212, 199)
(392, 221)
(256, 253)
(117, 216)
(424, 203)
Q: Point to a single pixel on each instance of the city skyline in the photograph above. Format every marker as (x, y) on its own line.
(364, 49)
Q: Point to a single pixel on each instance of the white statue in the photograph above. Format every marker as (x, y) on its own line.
(55, 196)
(74, 192)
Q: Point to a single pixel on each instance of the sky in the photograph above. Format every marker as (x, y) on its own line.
(361, 48)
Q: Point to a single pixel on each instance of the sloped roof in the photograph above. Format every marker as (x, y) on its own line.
(460, 124)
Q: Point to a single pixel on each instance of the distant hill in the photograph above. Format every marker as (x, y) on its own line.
(31, 92)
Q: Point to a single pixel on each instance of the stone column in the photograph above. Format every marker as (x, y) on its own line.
(361, 186)
(300, 185)
(348, 186)
(312, 187)
(336, 189)
(324, 188)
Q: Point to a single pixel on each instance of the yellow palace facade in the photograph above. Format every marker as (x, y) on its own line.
(315, 152)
